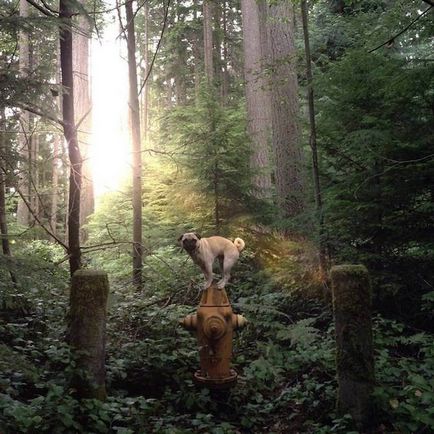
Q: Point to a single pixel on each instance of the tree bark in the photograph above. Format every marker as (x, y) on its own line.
(70, 133)
(145, 91)
(6, 248)
(208, 40)
(87, 332)
(312, 139)
(284, 110)
(257, 99)
(136, 147)
(24, 136)
(54, 184)
(83, 114)
(197, 51)
(225, 74)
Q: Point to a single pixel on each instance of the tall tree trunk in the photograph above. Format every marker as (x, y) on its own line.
(56, 158)
(3, 225)
(284, 110)
(24, 137)
(136, 146)
(207, 40)
(197, 49)
(70, 132)
(82, 113)
(6, 248)
(312, 139)
(54, 184)
(217, 43)
(145, 91)
(257, 98)
(225, 74)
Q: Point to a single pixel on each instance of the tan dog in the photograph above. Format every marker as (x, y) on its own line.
(204, 251)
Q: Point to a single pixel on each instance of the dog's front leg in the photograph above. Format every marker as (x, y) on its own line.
(207, 272)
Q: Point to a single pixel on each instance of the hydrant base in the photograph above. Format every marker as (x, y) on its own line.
(216, 383)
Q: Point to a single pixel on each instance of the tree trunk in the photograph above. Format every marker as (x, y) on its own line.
(257, 98)
(70, 133)
(312, 139)
(145, 91)
(24, 136)
(284, 110)
(225, 74)
(55, 162)
(207, 40)
(197, 54)
(6, 248)
(136, 147)
(54, 184)
(82, 113)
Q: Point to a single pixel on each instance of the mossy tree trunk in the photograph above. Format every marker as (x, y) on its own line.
(87, 325)
(354, 358)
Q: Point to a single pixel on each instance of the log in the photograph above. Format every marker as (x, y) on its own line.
(352, 307)
(87, 326)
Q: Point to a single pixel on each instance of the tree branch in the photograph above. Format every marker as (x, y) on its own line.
(390, 40)
(166, 14)
(45, 11)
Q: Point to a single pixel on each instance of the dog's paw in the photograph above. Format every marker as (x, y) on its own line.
(221, 284)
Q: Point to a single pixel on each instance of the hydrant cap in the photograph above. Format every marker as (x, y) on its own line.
(214, 327)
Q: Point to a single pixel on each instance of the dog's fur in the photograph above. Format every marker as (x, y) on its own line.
(204, 251)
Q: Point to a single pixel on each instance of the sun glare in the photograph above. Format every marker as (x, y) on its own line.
(110, 154)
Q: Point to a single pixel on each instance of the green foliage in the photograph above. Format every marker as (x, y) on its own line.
(210, 142)
(405, 376)
(376, 132)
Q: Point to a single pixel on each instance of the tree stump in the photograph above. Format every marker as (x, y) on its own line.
(354, 357)
(87, 325)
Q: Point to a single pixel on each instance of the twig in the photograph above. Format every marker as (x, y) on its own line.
(166, 14)
(41, 9)
(392, 39)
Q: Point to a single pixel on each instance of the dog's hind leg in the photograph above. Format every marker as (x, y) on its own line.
(228, 263)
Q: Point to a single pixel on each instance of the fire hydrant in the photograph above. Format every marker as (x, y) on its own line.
(214, 324)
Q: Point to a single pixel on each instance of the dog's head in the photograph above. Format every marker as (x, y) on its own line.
(189, 241)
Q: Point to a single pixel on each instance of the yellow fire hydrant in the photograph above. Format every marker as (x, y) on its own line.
(214, 324)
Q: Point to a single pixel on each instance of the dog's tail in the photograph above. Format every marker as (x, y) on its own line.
(239, 244)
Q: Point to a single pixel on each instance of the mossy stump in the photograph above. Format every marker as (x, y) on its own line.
(87, 327)
(352, 308)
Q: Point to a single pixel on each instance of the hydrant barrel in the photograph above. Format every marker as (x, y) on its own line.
(214, 324)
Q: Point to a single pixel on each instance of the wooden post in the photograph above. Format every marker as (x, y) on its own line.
(87, 324)
(354, 357)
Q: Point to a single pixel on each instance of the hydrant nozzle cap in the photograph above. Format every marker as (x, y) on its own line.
(239, 321)
(189, 322)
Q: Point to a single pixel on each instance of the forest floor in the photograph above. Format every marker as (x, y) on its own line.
(284, 357)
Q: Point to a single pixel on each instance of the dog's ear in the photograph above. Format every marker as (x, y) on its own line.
(197, 236)
(180, 238)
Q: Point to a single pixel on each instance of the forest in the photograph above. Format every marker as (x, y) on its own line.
(292, 140)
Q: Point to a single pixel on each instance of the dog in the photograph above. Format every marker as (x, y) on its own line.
(204, 252)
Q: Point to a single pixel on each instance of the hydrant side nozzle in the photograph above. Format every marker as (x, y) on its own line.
(189, 322)
(238, 321)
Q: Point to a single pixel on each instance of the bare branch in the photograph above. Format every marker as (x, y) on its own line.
(392, 39)
(163, 29)
(41, 9)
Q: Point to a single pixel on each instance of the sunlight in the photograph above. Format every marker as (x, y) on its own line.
(110, 153)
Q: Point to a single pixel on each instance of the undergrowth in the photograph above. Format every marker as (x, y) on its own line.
(284, 357)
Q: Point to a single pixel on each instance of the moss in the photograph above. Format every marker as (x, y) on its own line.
(87, 322)
(351, 288)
